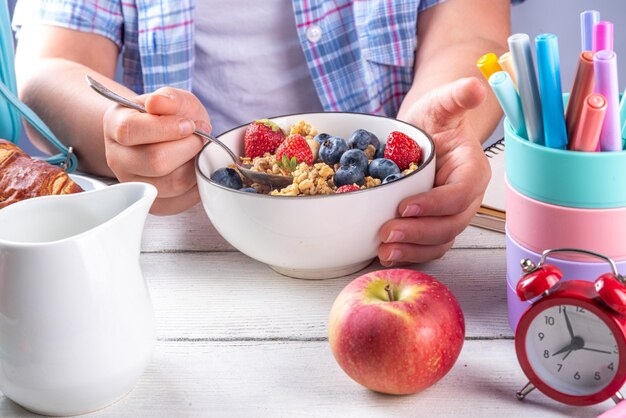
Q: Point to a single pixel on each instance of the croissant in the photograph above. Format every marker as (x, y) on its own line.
(23, 177)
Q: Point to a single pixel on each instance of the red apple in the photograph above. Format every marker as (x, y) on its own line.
(396, 331)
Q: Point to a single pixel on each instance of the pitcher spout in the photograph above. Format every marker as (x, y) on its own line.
(49, 219)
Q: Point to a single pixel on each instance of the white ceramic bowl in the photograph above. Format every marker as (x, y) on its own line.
(313, 237)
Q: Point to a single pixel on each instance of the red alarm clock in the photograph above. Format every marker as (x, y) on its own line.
(571, 342)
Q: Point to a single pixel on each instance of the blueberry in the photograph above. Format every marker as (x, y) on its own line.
(380, 168)
(355, 157)
(348, 174)
(248, 189)
(392, 177)
(332, 149)
(227, 177)
(361, 138)
(321, 137)
(381, 151)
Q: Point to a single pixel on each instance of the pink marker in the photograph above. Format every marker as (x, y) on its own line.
(587, 132)
(603, 36)
(605, 73)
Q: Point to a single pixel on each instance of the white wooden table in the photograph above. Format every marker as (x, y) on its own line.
(237, 339)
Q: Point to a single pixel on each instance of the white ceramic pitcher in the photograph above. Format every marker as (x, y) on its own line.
(76, 322)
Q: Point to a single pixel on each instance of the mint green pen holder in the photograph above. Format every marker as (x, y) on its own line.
(567, 178)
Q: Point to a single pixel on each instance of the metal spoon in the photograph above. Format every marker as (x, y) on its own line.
(273, 180)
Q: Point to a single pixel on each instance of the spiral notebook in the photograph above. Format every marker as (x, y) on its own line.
(491, 214)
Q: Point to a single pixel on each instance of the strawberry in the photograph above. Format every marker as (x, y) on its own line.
(293, 150)
(347, 188)
(262, 136)
(402, 150)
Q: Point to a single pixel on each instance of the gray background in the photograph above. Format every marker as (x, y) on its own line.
(560, 17)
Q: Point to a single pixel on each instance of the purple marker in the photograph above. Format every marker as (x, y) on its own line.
(605, 73)
(603, 36)
(588, 19)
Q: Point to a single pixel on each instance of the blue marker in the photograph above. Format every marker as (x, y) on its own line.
(622, 117)
(519, 45)
(588, 19)
(555, 134)
(505, 92)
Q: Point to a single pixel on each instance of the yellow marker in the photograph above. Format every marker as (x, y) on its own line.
(488, 64)
(506, 62)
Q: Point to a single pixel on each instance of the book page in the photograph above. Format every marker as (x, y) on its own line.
(494, 195)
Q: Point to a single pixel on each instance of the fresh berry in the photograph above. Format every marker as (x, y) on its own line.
(381, 151)
(294, 146)
(382, 167)
(348, 188)
(332, 149)
(402, 150)
(348, 174)
(321, 137)
(392, 177)
(227, 177)
(361, 138)
(262, 136)
(355, 157)
(248, 189)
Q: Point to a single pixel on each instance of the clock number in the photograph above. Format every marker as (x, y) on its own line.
(577, 376)
(579, 309)
(611, 366)
(560, 366)
(549, 320)
(546, 354)
(596, 376)
(615, 349)
(541, 336)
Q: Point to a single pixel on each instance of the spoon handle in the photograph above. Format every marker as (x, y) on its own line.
(111, 95)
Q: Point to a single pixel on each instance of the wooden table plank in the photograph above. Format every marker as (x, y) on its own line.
(192, 231)
(265, 378)
(228, 295)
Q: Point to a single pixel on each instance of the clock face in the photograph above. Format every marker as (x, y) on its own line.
(572, 350)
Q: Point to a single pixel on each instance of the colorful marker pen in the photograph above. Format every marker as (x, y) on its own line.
(548, 66)
(588, 19)
(605, 70)
(488, 64)
(582, 87)
(506, 62)
(603, 36)
(622, 115)
(519, 45)
(587, 132)
(506, 94)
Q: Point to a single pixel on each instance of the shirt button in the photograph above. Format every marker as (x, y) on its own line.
(314, 33)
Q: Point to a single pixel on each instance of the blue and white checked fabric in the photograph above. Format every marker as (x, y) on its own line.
(363, 60)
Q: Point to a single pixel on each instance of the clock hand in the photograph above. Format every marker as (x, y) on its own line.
(568, 353)
(567, 348)
(597, 351)
(568, 323)
(576, 344)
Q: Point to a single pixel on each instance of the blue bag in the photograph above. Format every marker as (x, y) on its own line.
(11, 108)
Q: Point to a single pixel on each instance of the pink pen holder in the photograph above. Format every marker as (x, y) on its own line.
(540, 226)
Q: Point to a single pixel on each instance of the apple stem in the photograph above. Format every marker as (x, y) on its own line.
(389, 291)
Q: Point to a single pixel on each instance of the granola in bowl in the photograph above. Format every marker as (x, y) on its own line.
(320, 163)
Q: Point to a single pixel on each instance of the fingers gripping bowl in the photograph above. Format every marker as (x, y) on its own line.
(313, 237)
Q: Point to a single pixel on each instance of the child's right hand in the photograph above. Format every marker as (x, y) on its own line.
(158, 147)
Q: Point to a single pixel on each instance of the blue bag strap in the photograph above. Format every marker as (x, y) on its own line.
(10, 123)
(12, 108)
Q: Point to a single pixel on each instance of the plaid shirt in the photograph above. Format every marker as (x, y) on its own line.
(360, 53)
